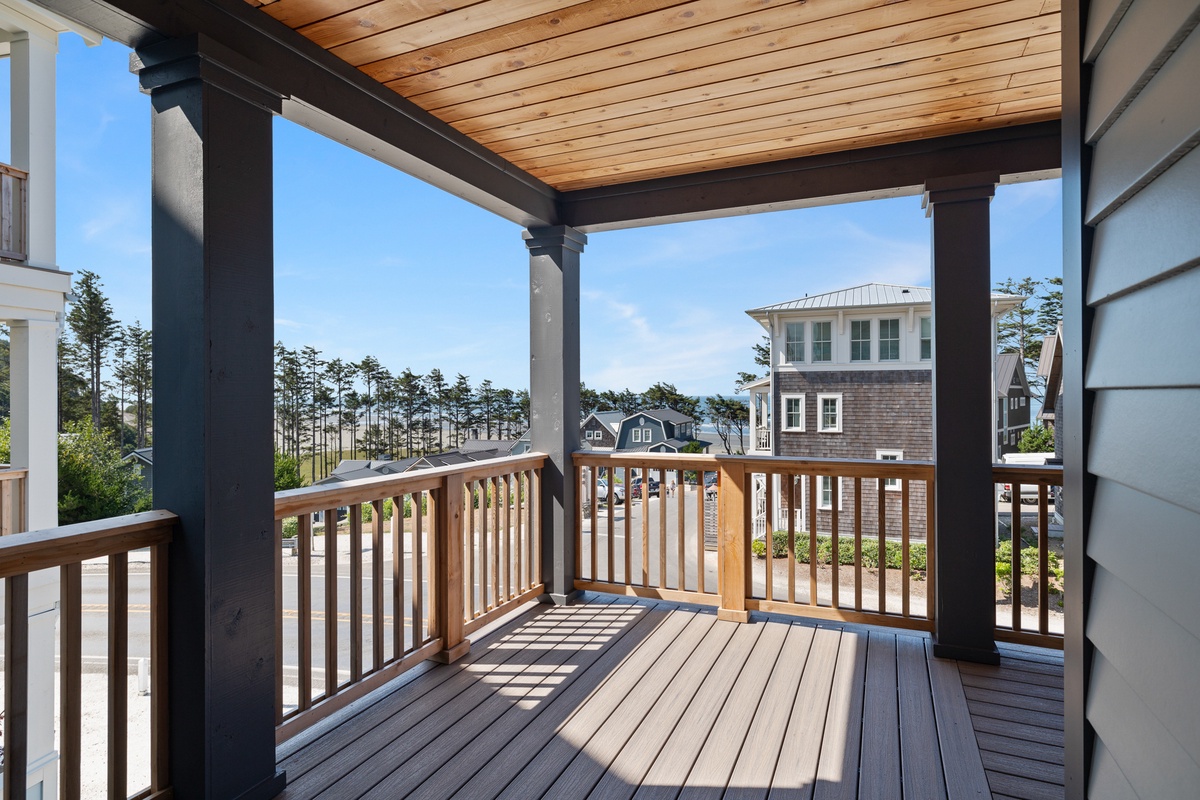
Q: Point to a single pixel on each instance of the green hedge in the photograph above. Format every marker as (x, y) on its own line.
(870, 551)
(1029, 566)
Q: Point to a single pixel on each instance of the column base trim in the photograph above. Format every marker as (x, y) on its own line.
(557, 599)
(267, 789)
(977, 655)
(729, 615)
(453, 654)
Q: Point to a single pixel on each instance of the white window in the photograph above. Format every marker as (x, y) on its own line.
(637, 435)
(825, 493)
(926, 338)
(860, 340)
(829, 410)
(793, 412)
(587, 434)
(822, 342)
(1022, 403)
(890, 455)
(889, 340)
(795, 341)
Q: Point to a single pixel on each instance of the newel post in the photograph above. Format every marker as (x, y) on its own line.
(732, 545)
(448, 579)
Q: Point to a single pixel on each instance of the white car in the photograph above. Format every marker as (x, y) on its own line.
(602, 491)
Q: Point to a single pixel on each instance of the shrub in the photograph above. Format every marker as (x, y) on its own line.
(1029, 566)
(93, 481)
(893, 551)
(291, 528)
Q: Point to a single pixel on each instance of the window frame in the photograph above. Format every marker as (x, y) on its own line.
(828, 325)
(890, 484)
(789, 342)
(783, 401)
(926, 340)
(890, 321)
(821, 398)
(636, 436)
(860, 342)
(841, 493)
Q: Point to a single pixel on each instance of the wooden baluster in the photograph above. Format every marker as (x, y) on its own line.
(509, 593)
(535, 529)
(118, 676)
(70, 626)
(835, 600)
(628, 577)
(481, 513)
(16, 685)
(699, 531)
(448, 579)
(791, 537)
(612, 513)
(304, 543)
(882, 536)
(681, 568)
(813, 499)
(493, 504)
(356, 589)
(594, 502)
(1043, 559)
(331, 603)
(768, 539)
(930, 549)
(858, 544)
(160, 720)
(278, 624)
(645, 490)
(905, 560)
(469, 576)
(662, 529)
(417, 573)
(7, 508)
(731, 543)
(1015, 528)
(523, 582)
(377, 583)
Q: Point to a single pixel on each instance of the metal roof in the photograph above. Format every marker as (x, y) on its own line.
(663, 415)
(874, 295)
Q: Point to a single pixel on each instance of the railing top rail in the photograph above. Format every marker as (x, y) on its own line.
(318, 498)
(22, 553)
(1049, 474)
(843, 467)
(591, 458)
(8, 474)
(8, 169)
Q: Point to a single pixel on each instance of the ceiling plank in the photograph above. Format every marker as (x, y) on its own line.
(295, 13)
(374, 18)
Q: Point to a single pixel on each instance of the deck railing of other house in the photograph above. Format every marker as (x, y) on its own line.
(12, 212)
(1031, 575)
(66, 548)
(762, 439)
(712, 556)
(464, 547)
(12, 501)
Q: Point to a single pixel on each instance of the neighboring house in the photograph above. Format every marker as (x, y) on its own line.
(143, 461)
(599, 429)
(1013, 402)
(851, 377)
(1050, 370)
(657, 430)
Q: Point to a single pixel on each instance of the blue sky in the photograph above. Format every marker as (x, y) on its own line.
(371, 261)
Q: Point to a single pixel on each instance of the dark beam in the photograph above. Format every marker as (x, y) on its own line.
(330, 96)
(963, 398)
(213, 336)
(1016, 153)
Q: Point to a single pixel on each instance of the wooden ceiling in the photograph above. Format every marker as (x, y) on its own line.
(586, 94)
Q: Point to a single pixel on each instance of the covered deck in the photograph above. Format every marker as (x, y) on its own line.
(621, 697)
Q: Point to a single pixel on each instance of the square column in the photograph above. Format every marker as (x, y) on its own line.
(213, 334)
(962, 418)
(554, 394)
(33, 119)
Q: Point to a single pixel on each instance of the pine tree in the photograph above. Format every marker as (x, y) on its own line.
(92, 322)
(1020, 330)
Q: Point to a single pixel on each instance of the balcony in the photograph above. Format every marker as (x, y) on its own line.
(440, 678)
(13, 213)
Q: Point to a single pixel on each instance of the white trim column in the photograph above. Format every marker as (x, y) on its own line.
(33, 126)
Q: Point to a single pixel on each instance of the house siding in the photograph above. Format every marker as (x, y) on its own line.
(607, 438)
(881, 410)
(1142, 534)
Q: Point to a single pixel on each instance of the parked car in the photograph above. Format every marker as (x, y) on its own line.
(1029, 493)
(652, 487)
(602, 491)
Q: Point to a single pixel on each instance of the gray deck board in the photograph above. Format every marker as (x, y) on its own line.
(619, 697)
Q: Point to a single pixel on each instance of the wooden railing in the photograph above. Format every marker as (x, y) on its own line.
(13, 204)
(12, 501)
(662, 548)
(66, 549)
(464, 547)
(1034, 615)
(762, 439)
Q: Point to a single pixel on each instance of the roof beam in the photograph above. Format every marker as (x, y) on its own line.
(1019, 153)
(326, 94)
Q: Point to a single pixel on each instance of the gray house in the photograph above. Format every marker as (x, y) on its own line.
(1014, 402)
(657, 430)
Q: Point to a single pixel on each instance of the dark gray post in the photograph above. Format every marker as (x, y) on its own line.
(962, 419)
(213, 333)
(554, 394)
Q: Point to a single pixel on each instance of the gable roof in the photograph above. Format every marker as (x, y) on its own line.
(143, 454)
(611, 419)
(1006, 369)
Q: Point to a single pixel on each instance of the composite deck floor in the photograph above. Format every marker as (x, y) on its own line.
(614, 698)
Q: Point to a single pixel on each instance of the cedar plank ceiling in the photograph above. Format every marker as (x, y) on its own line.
(585, 94)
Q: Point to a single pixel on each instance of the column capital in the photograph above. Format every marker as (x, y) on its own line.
(554, 236)
(200, 58)
(959, 188)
